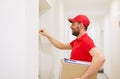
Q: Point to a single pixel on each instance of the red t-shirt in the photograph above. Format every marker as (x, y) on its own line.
(81, 47)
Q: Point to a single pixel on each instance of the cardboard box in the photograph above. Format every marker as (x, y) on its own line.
(71, 69)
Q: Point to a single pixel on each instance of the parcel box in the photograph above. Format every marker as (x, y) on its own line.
(71, 69)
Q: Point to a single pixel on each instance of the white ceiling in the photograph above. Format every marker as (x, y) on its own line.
(89, 7)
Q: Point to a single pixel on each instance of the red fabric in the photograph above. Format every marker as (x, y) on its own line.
(81, 48)
(80, 18)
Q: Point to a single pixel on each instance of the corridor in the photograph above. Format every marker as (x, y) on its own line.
(104, 30)
(25, 54)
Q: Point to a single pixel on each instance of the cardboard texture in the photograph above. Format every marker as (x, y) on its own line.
(73, 70)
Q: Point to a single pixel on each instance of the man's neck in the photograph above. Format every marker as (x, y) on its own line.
(81, 34)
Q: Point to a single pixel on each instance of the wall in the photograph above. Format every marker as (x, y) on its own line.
(12, 39)
(32, 40)
(53, 22)
(111, 41)
(115, 37)
(60, 33)
(107, 45)
(19, 39)
(45, 47)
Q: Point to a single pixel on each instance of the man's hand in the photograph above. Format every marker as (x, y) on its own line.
(43, 32)
(55, 42)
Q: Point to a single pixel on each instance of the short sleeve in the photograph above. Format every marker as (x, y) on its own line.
(89, 44)
(72, 42)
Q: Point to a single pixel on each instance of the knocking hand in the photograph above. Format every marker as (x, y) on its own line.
(43, 32)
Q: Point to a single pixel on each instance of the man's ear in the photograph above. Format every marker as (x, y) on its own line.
(80, 25)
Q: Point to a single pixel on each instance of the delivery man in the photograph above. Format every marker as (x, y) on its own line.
(83, 47)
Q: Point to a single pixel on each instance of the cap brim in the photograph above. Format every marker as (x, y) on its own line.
(71, 20)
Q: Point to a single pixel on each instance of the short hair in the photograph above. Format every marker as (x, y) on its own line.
(85, 28)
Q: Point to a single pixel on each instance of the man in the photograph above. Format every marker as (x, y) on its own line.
(83, 47)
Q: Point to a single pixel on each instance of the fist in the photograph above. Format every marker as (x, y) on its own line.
(43, 32)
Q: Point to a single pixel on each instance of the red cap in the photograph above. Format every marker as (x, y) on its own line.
(80, 18)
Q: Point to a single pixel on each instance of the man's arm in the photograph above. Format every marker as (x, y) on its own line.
(97, 62)
(55, 42)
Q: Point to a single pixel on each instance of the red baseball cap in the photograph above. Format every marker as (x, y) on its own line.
(80, 18)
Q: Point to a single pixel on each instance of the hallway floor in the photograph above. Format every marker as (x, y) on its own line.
(102, 76)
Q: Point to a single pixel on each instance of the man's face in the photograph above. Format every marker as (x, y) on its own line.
(75, 28)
